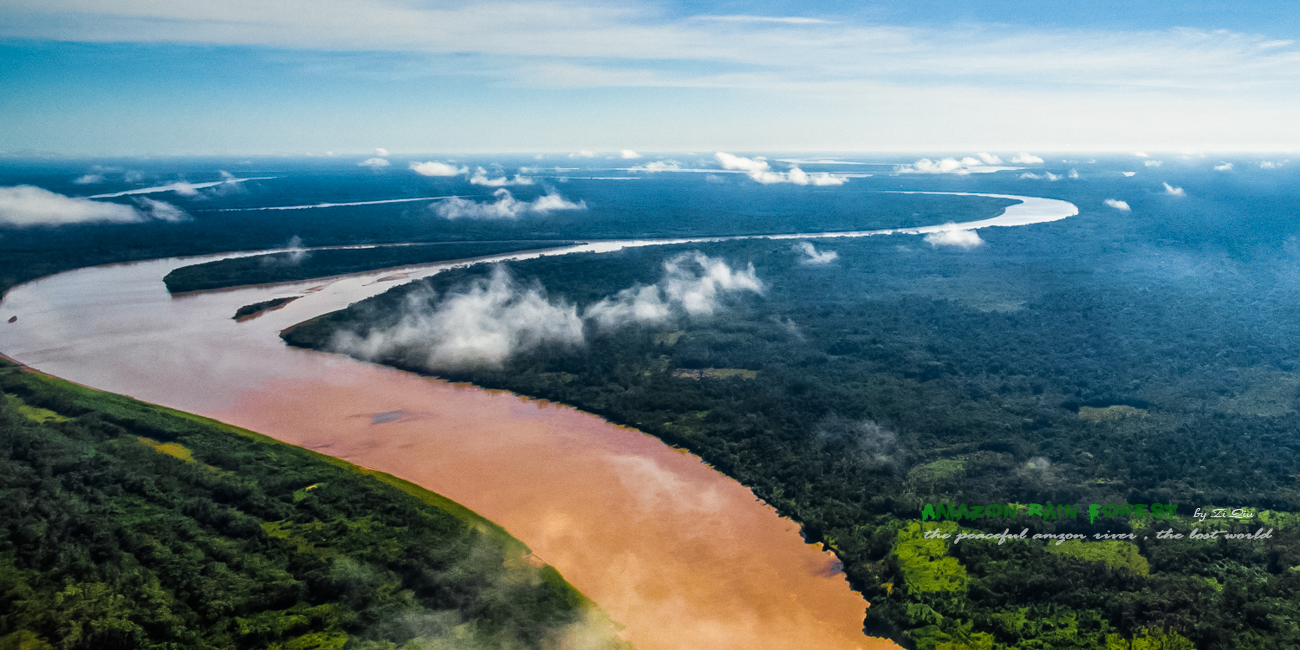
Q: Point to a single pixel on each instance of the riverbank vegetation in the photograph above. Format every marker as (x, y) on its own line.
(125, 525)
(1072, 367)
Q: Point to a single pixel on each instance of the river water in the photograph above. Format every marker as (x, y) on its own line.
(681, 555)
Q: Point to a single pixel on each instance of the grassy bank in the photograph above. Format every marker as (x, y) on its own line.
(128, 525)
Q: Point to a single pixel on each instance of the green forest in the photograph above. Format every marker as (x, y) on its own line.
(126, 525)
(848, 395)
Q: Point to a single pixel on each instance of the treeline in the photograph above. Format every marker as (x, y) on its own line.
(124, 525)
(890, 379)
(304, 265)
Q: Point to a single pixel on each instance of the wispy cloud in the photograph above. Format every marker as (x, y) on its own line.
(1223, 167)
(984, 164)
(435, 168)
(506, 206)
(27, 205)
(374, 163)
(480, 177)
(760, 171)
(487, 321)
(1174, 191)
(483, 323)
(1153, 163)
(89, 179)
(1122, 206)
(692, 283)
(657, 166)
(814, 256)
(966, 239)
(381, 152)
(1046, 175)
(1026, 158)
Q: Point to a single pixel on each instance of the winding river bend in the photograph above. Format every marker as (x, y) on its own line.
(680, 554)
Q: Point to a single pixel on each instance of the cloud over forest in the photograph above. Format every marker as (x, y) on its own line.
(506, 206)
(27, 205)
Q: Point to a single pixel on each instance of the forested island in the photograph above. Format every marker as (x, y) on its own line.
(304, 265)
(126, 525)
(850, 394)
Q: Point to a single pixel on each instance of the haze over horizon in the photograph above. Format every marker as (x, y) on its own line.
(146, 77)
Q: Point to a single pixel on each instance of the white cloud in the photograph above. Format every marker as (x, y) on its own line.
(1174, 191)
(1129, 174)
(373, 162)
(927, 166)
(381, 152)
(759, 171)
(1153, 163)
(1074, 174)
(657, 166)
(1026, 158)
(26, 205)
(435, 168)
(506, 206)
(693, 283)
(729, 161)
(1269, 164)
(1223, 167)
(1140, 154)
(483, 323)
(1046, 175)
(1122, 206)
(984, 164)
(628, 154)
(162, 211)
(480, 177)
(583, 154)
(813, 256)
(89, 179)
(966, 239)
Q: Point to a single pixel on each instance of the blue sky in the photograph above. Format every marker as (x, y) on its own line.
(129, 77)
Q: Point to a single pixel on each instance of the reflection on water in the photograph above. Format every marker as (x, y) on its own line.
(682, 555)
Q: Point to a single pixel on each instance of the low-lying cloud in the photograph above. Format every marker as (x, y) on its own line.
(628, 154)
(435, 168)
(760, 171)
(692, 283)
(480, 177)
(813, 256)
(965, 239)
(374, 163)
(657, 166)
(1223, 167)
(89, 179)
(1174, 191)
(490, 319)
(1046, 175)
(506, 206)
(27, 205)
(1153, 163)
(1122, 206)
(981, 163)
(483, 324)
(1026, 158)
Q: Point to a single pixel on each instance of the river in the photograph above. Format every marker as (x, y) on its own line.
(681, 555)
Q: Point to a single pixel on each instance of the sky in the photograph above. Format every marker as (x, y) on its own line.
(286, 77)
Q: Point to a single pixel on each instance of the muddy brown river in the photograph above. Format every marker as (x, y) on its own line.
(681, 555)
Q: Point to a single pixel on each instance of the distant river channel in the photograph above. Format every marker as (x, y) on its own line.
(681, 555)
